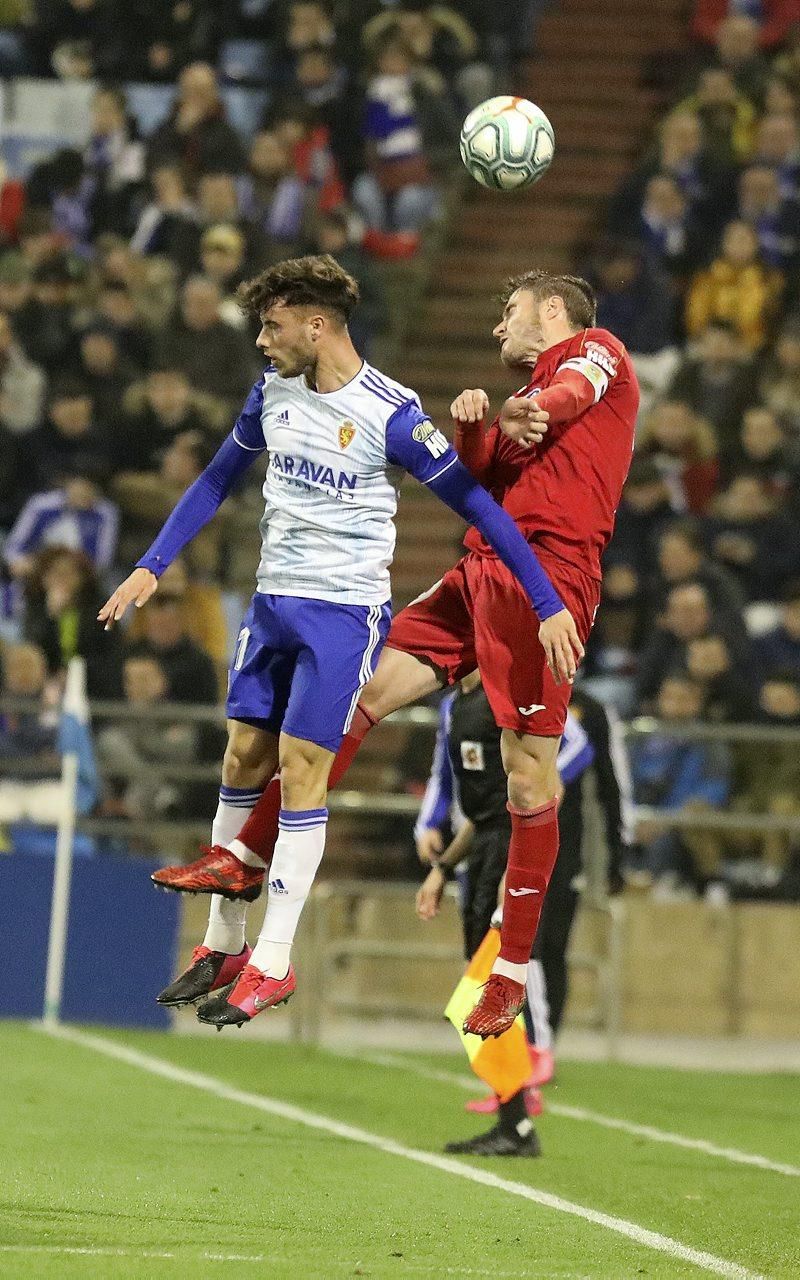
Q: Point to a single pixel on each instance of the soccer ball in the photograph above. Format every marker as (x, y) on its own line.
(507, 143)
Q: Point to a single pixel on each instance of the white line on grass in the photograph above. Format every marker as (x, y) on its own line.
(310, 1120)
(403, 1267)
(593, 1117)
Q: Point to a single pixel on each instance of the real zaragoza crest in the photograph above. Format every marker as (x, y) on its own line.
(346, 433)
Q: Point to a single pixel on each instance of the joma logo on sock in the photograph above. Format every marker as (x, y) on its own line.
(277, 886)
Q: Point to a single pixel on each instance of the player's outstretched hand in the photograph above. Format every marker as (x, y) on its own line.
(470, 406)
(521, 420)
(136, 589)
(429, 894)
(562, 646)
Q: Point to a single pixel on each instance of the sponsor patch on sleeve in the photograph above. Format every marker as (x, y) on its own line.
(435, 442)
(592, 372)
(598, 354)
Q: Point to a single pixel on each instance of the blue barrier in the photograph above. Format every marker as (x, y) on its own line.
(121, 945)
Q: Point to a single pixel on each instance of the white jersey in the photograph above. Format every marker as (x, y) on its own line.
(332, 481)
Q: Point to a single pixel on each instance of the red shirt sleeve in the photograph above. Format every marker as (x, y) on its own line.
(472, 445)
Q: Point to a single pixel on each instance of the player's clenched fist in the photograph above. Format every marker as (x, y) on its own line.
(136, 589)
(523, 421)
(562, 646)
(470, 406)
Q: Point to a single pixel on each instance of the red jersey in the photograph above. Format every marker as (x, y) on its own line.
(563, 493)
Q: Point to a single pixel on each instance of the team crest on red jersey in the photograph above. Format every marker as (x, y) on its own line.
(600, 355)
(346, 433)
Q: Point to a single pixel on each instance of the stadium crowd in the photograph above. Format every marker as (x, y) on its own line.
(122, 356)
(698, 271)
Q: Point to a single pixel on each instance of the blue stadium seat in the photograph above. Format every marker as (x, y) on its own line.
(245, 107)
(245, 61)
(149, 104)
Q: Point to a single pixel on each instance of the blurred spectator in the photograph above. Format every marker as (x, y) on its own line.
(684, 449)
(275, 199)
(716, 379)
(30, 733)
(103, 369)
(679, 776)
(114, 159)
(646, 508)
(213, 355)
(757, 541)
(688, 617)
(222, 259)
(778, 650)
(778, 147)
(737, 287)
(44, 323)
(736, 48)
(73, 516)
(197, 134)
(611, 653)
(16, 287)
(726, 115)
(728, 697)
(61, 184)
(80, 39)
(189, 670)
(134, 751)
(22, 384)
(62, 599)
(157, 411)
(70, 442)
(199, 600)
(775, 19)
(682, 558)
(146, 498)
(115, 306)
(335, 236)
(308, 24)
(440, 37)
(175, 35)
(670, 235)
(168, 225)
(309, 143)
(634, 299)
(779, 386)
(787, 63)
(323, 85)
(398, 192)
(765, 449)
(774, 218)
(681, 154)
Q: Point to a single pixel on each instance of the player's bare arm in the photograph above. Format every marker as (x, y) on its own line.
(137, 589)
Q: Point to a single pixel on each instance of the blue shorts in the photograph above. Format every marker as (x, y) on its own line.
(300, 665)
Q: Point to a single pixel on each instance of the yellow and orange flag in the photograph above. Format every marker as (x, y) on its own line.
(502, 1063)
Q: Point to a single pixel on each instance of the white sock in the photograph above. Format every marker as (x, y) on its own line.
(516, 972)
(226, 919)
(538, 1005)
(298, 853)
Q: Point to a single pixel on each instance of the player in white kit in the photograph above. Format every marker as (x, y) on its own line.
(339, 436)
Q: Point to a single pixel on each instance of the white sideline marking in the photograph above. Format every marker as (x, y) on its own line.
(595, 1117)
(112, 1251)
(310, 1120)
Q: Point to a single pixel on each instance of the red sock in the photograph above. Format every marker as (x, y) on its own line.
(531, 857)
(260, 831)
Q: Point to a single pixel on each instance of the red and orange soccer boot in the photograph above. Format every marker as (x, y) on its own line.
(501, 1001)
(253, 993)
(217, 870)
(208, 971)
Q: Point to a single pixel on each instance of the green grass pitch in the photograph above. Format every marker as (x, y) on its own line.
(153, 1178)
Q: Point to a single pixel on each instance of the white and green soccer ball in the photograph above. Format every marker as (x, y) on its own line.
(507, 143)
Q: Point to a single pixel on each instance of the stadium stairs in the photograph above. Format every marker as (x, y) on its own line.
(588, 74)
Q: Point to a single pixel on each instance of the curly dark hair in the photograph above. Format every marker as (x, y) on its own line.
(578, 294)
(316, 280)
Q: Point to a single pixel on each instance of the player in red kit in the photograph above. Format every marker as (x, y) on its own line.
(556, 458)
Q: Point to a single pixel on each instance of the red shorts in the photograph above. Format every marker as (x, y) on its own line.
(479, 616)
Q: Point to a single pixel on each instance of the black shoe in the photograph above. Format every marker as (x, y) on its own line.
(497, 1142)
(208, 971)
(217, 1012)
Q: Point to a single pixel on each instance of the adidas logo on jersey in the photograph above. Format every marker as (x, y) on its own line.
(277, 886)
(282, 418)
